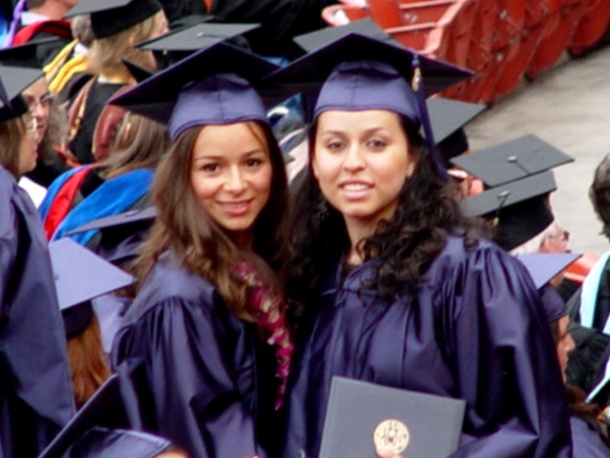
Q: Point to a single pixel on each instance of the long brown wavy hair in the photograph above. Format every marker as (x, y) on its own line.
(200, 244)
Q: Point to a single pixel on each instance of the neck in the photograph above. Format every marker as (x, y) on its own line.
(357, 230)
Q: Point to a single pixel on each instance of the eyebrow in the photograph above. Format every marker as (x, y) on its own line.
(220, 156)
(369, 131)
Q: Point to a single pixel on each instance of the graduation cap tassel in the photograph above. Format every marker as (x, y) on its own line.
(418, 88)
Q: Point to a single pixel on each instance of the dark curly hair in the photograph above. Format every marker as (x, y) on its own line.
(428, 211)
(599, 193)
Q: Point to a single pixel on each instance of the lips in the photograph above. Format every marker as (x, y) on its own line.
(354, 190)
(237, 208)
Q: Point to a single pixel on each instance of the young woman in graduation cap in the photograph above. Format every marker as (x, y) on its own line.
(35, 391)
(390, 285)
(204, 354)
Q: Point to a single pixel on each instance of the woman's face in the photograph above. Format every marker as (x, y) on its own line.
(361, 160)
(28, 146)
(231, 175)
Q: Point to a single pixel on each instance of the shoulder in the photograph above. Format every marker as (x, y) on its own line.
(169, 282)
(460, 253)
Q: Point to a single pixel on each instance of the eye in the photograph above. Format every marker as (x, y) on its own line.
(253, 162)
(210, 167)
(376, 143)
(334, 145)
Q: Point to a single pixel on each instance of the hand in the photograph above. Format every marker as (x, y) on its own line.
(384, 451)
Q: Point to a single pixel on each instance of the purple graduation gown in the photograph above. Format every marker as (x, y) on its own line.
(473, 330)
(35, 391)
(586, 441)
(192, 372)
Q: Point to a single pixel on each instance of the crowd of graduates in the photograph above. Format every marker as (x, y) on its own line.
(210, 210)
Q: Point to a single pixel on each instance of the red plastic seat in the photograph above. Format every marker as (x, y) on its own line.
(591, 28)
(555, 40)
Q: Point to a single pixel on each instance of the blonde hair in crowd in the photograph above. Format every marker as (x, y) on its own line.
(105, 55)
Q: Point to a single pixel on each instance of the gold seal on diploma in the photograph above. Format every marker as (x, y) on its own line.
(391, 433)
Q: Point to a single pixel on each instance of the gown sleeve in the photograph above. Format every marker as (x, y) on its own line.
(35, 391)
(179, 378)
(505, 362)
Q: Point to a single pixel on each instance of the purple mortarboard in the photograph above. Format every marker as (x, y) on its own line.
(13, 81)
(88, 433)
(115, 221)
(512, 160)
(109, 17)
(80, 275)
(359, 72)
(521, 208)
(211, 86)
(544, 266)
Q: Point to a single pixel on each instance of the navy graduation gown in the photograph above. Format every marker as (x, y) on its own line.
(192, 372)
(35, 391)
(473, 330)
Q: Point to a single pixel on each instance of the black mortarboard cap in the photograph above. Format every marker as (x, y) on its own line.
(447, 116)
(312, 41)
(194, 37)
(499, 198)
(543, 267)
(104, 408)
(512, 160)
(211, 86)
(138, 72)
(25, 55)
(13, 81)
(81, 275)
(109, 17)
(521, 208)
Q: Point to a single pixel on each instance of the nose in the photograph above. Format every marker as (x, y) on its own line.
(235, 181)
(354, 160)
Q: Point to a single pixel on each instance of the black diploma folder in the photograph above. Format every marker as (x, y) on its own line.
(416, 425)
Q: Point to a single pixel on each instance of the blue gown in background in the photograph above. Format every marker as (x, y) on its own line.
(35, 391)
(473, 330)
(192, 372)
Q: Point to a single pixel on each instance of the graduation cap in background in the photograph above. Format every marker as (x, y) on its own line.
(80, 275)
(211, 86)
(118, 221)
(25, 55)
(98, 430)
(521, 208)
(512, 160)
(138, 72)
(178, 44)
(448, 118)
(312, 41)
(13, 81)
(543, 267)
(109, 17)
(194, 37)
